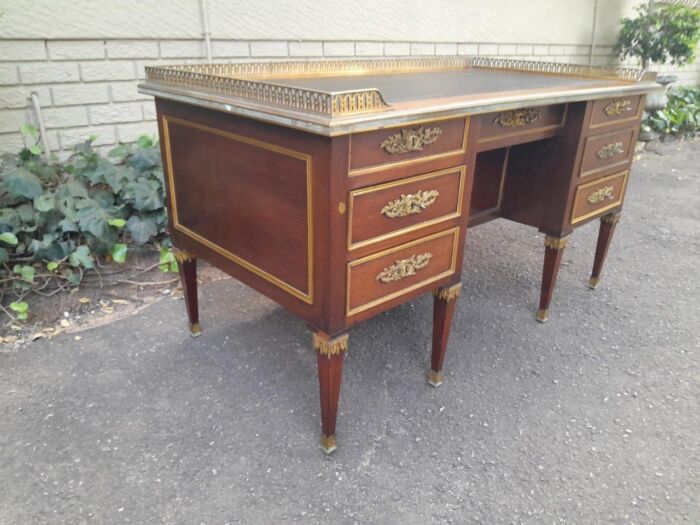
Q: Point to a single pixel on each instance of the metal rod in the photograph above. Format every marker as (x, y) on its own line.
(593, 31)
(207, 31)
(40, 121)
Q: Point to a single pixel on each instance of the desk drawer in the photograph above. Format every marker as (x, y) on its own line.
(609, 111)
(607, 150)
(383, 276)
(598, 196)
(385, 148)
(387, 210)
(520, 122)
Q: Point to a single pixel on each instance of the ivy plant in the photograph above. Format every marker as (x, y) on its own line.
(57, 218)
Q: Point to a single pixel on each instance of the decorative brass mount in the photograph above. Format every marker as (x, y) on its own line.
(408, 140)
(618, 107)
(555, 243)
(610, 150)
(448, 294)
(403, 268)
(599, 195)
(330, 347)
(517, 118)
(410, 203)
(182, 256)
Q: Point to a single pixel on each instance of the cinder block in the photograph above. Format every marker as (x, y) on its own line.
(126, 92)
(22, 50)
(506, 49)
(556, 50)
(369, 49)
(306, 49)
(74, 94)
(132, 132)
(8, 74)
(182, 49)
(445, 49)
(113, 113)
(149, 111)
(48, 73)
(132, 48)
(422, 49)
(141, 66)
(71, 137)
(339, 49)
(19, 96)
(540, 50)
(76, 49)
(111, 70)
(230, 48)
(269, 49)
(524, 49)
(65, 117)
(397, 49)
(488, 49)
(12, 119)
(468, 49)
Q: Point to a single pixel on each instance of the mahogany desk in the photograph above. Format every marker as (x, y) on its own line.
(341, 189)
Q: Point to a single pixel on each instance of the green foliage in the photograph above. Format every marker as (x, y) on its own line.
(167, 262)
(21, 308)
(680, 117)
(660, 33)
(62, 216)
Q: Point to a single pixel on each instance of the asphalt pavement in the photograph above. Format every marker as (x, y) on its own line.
(592, 417)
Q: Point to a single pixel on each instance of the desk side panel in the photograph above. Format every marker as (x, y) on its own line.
(247, 197)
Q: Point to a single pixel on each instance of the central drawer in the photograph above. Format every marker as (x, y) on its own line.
(387, 210)
(396, 272)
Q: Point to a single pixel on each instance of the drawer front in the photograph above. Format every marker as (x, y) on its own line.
(608, 150)
(383, 276)
(615, 110)
(522, 121)
(384, 148)
(596, 197)
(387, 210)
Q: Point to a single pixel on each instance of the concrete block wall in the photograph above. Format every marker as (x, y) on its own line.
(84, 62)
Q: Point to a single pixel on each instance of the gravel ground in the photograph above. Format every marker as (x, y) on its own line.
(593, 417)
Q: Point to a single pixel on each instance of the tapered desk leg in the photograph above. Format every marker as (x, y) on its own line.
(553, 251)
(444, 302)
(605, 234)
(187, 265)
(330, 356)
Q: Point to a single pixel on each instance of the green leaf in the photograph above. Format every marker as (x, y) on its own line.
(35, 150)
(146, 196)
(4, 256)
(117, 223)
(141, 230)
(93, 218)
(26, 272)
(121, 151)
(45, 202)
(51, 266)
(167, 262)
(8, 238)
(22, 183)
(22, 309)
(29, 129)
(146, 141)
(81, 257)
(73, 277)
(119, 253)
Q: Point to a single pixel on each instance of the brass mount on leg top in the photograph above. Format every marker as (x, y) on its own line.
(555, 243)
(328, 347)
(182, 256)
(448, 294)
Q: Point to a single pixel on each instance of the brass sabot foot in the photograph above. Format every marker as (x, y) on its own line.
(542, 314)
(328, 443)
(195, 330)
(434, 378)
(593, 282)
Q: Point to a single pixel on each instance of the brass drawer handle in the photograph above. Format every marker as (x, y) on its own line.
(403, 268)
(618, 107)
(408, 140)
(517, 118)
(599, 195)
(610, 150)
(410, 203)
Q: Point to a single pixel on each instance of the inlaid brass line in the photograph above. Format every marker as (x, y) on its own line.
(306, 297)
